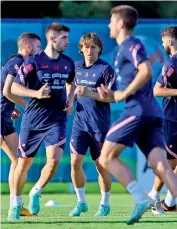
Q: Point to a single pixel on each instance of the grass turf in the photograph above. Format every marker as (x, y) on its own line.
(57, 217)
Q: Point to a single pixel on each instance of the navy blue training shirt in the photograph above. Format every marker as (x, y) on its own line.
(11, 67)
(34, 73)
(142, 103)
(92, 115)
(168, 78)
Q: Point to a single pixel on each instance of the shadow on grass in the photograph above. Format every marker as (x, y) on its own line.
(88, 222)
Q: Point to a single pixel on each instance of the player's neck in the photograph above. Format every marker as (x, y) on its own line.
(90, 63)
(122, 36)
(51, 53)
(24, 54)
(173, 52)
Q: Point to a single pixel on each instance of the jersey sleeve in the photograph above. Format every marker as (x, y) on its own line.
(110, 78)
(72, 74)
(136, 54)
(26, 70)
(14, 68)
(166, 73)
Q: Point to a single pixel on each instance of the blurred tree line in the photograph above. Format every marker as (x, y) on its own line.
(84, 9)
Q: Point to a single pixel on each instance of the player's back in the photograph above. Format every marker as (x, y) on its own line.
(92, 115)
(131, 53)
(11, 67)
(35, 72)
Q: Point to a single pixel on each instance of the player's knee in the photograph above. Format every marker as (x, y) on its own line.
(76, 164)
(14, 163)
(52, 163)
(159, 167)
(103, 162)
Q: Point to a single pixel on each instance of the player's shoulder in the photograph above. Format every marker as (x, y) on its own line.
(104, 64)
(16, 59)
(67, 59)
(79, 64)
(170, 62)
(133, 42)
(173, 60)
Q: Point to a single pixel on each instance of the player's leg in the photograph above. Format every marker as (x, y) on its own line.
(78, 146)
(169, 203)
(155, 195)
(10, 145)
(29, 143)
(122, 134)
(54, 141)
(104, 177)
(152, 144)
(19, 182)
(158, 159)
(157, 209)
(171, 147)
(105, 181)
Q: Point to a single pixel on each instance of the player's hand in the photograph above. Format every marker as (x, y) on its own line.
(43, 92)
(104, 92)
(81, 90)
(69, 107)
(15, 114)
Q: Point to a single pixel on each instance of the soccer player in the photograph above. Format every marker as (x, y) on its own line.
(28, 43)
(166, 87)
(91, 121)
(46, 78)
(142, 120)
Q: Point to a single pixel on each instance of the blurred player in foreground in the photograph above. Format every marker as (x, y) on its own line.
(166, 87)
(28, 43)
(91, 121)
(47, 79)
(142, 120)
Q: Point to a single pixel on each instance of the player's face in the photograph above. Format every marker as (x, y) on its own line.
(35, 46)
(114, 26)
(165, 44)
(90, 51)
(60, 41)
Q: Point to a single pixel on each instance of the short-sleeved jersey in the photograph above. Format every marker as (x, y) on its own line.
(168, 78)
(130, 54)
(11, 67)
(34, 73)
(92, 115)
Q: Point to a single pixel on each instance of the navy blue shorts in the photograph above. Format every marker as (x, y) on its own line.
(81, 141)
(171, 139)
(146, 132)
(30, 140)
(7, 128)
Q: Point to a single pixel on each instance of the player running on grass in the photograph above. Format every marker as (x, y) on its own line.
(91, 121)
(47, 79)
(28, 43)
(166, 87)
(142, 119)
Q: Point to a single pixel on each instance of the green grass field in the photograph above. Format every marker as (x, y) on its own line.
(57, 217)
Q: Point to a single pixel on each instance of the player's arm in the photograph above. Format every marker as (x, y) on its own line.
(8, 94)
(70, 88)
(160, 88)
(143, 75)
(19, 87)
(110, 83)
(84, 91)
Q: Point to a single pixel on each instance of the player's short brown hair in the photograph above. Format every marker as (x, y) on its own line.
(25, 38)
(56, 27)
(128, 14)
(170, 31)
(91, 37)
